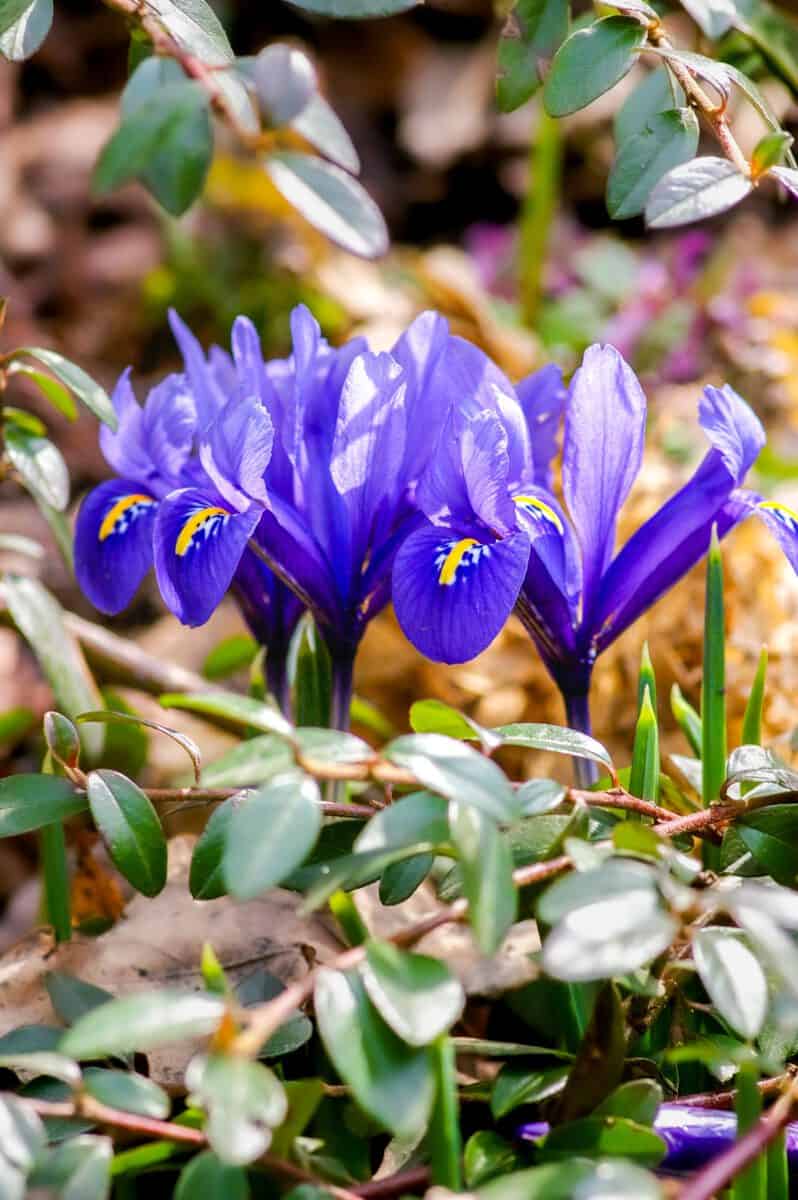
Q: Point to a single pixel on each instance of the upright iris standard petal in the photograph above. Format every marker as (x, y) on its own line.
(542, 399)
(604, 432)
(666, 546)
(235, 451)
(453, 590)
(369, 448)
(113, 542)
(198, 545)
(209, 398)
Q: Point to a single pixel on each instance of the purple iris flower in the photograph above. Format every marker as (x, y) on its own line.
(495, 538)
(202, 433)
(312, 472)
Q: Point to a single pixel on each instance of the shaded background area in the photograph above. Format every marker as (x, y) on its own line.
(94, 278)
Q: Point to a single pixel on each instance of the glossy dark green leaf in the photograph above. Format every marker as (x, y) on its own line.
(656, 93)
(556, 740)
(638, 1100)
(390, 1080)
(40, 466)
(694, 191)
(250, 763)
(771, 834)
(355, 9)
(177, 161)
(62, 738)
(30, 1039)
(733, 979)
(87, 390)
(77, 1169)
(487, 1156)
(271, 833)
(207, 1176)
(229, 707)
(590, 62)
(400, 880)
(31, 801)
(59, 396)
(597, 1137)
(614, 1179)
(22, 1134)
(419, 817)
(166, 141)
(40, 619)
(416, 995)
(44, 1062)
(243, 1100)
(229, 656)
(456, 771)
(206, 879)
(534, 31)
(538, 797)
(581, 889)
(320, 126)
(555, 1181)
(127, 1091)
(71, 997)
(433, 716)
(285, 79)
(333, 746)
(141, 1022)
(602, 928)
(331, 200)
(668, 139)
(486, 866)
(24, 24)
(517, 1085)
(130, 828)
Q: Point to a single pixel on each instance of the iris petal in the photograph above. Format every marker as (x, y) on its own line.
(113, 543)
(198, 546)
(542, 397)
(453, 591)
(604, 430)
(782, 522)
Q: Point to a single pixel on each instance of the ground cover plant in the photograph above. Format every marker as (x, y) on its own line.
(390, 963)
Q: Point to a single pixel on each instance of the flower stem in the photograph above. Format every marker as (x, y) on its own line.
(537, 215)
(577, 713)
(341, 698)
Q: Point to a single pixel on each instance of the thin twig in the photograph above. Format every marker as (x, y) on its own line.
(215, 795)
(714, 114)
(723, 1100)
(103, 1114)
(713, 1178)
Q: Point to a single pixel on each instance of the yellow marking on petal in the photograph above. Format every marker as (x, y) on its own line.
(543, 507)
(777, 507)
(453, 559)
(118, 510)
(193, 524)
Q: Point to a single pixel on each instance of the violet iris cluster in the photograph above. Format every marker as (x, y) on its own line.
(337, 479)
